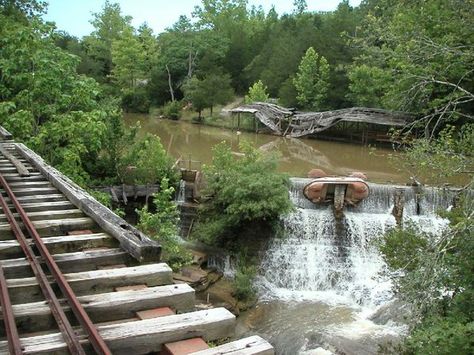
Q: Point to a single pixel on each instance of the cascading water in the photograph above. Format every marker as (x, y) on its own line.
(322, 261)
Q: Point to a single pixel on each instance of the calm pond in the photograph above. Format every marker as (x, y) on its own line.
(297, 156)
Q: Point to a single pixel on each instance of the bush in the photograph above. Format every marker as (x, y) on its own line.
(244, 289)
(146, 162)
(242, 190)
(172, 110)
(136, 101)
(162, 225)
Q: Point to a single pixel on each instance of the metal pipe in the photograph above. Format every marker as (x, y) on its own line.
(94, 337)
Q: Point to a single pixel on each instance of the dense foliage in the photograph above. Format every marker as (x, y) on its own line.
(162, 224)
(67, 117)
(243, 190)
(224, 43)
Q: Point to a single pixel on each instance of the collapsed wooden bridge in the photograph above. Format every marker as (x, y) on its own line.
(291, 123)
(76, 278)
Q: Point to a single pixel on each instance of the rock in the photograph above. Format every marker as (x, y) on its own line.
(394, 311)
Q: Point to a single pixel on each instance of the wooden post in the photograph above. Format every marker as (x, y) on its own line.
(398, 205)
(238, 121)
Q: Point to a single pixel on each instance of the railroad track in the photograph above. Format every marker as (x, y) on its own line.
(75, 278)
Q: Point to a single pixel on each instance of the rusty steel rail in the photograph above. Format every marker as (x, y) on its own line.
(14, 345)
(70, 336)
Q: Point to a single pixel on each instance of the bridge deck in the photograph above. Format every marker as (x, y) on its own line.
(113, 269)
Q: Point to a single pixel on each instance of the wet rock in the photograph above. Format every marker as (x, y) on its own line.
(394, 311)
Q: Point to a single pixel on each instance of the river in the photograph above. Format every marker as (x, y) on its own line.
(296, 156)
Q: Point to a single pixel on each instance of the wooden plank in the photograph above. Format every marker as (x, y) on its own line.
(60, 244)
(106, 307)
(26, 289)
(143, 336)
(51, 227)
(19, 166)
(29, 184)
(69, 262)
(131, 239)
(46, 206)
(53, 214)
(253, 345)
(34, 191)
(40, 198)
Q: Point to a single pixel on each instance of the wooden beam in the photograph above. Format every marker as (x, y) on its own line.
(5, 134)
(52, 227)
(55, 214)
(144, 336)
(69, 262)
(61, 244)
(131, 239)
(19, 166)
(27, 290)
(105, 307)
(253, 345)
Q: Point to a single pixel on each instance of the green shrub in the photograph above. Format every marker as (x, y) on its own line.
(242, 190)
(136, 101)
(162, 225)
(146, 162)
(172, 110)
(244, 289)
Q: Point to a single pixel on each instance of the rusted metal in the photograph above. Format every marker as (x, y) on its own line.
(94, 337)
(63, 323)
(14, 345)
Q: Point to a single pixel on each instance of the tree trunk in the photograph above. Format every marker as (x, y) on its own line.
(170, 84)
(211, 109)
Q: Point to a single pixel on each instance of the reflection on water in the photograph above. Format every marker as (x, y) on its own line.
(297, 156)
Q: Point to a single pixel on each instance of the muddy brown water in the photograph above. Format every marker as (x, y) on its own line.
(296, 156)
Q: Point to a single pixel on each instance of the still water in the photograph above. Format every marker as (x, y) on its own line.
(297, 156)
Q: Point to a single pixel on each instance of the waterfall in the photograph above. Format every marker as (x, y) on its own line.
(180, 196)
(336, 261)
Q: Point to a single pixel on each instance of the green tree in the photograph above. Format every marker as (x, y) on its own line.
(311, 80)
(257, 93)
(418, 57)
(109, 25)
(300, 6)
(243, 191)
(214, 89)
(128, 58)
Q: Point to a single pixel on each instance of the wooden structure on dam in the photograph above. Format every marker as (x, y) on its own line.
(291, 123)
(76, 278)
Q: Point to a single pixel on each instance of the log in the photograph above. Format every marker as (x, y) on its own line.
(253, 345)
(144, 336)
(26, 289)
(131, 239)
(19, 166)
(105, 307)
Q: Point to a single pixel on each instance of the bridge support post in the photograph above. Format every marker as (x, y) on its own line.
(398, 205)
